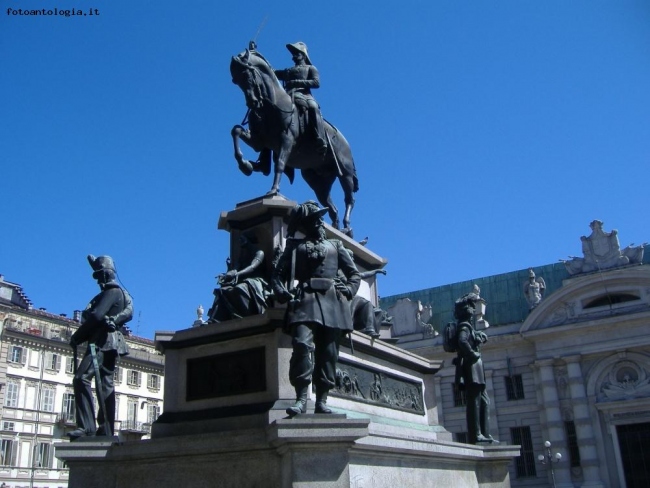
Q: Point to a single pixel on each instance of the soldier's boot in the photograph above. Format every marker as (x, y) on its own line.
(77, 433)
(301, 402)
(321, 402)
(371, 332)
(319, 129)
(485, 436)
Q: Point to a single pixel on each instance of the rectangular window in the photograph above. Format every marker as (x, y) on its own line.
(524, 464)
(117, 375)
(133, 378)
(11, 396)
(52, 361)
(47, 399)
(132, 410)
(69, 365)
(8, 449)
(42, 455)
(572, 443)
(8, 426)
(18, 355)
(460, 399)
(68, 411)
(153, 382)
(153, 412)
(514, 387)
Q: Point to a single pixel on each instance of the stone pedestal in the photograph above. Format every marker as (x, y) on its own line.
(216, 432)
(226, 390)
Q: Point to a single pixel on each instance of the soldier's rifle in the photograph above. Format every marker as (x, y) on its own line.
(100, 391)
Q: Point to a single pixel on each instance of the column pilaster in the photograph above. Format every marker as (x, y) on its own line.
(554, 422)
(583, 423)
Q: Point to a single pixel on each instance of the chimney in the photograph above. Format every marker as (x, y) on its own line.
(76, 316)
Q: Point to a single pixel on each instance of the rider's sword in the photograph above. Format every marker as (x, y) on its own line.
(253, 44)
(336, 160)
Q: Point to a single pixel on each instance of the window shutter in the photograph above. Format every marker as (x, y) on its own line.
(14, 453)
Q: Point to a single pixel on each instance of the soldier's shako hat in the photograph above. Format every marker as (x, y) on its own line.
(310, 211)
(465, 304)
(305, 213)
(101, 263)
(299, 47)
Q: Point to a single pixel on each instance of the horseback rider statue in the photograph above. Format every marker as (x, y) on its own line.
(317, 148)
(298, 82)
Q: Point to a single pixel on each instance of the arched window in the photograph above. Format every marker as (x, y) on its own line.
(610, 299)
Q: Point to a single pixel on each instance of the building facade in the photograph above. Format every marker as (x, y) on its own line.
(573, 371)
(37, 405)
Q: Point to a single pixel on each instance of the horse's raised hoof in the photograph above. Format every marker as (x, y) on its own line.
(246, 167)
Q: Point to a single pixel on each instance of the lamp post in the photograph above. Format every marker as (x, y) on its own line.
(549, 459)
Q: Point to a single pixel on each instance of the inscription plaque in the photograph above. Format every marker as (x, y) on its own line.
(233, 373)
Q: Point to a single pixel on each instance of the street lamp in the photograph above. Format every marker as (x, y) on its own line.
(549, 459)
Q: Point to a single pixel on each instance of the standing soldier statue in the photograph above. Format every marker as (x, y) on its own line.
(101, 324)
(470, 375)
(319, 306)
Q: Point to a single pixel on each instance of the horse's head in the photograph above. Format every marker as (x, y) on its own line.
(244, 75)
(252, 73)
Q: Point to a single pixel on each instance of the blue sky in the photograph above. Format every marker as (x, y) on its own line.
(486, 135)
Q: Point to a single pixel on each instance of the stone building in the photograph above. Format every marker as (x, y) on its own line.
(574, 370)
(37, 405)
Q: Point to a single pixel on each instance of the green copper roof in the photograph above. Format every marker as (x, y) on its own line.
(503, 293)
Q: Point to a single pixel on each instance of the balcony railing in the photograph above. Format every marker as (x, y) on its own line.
(66, 418)
(134, 426)
(55, 333)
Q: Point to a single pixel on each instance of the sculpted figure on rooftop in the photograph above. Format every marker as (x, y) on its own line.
(534, 289)
(602, 251)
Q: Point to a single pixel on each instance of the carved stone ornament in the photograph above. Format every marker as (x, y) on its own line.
(370, 386)
(411, 317)
(602, 251)
(626, 380)
(562, 381)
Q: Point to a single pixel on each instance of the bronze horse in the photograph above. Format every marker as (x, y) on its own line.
(276, 130)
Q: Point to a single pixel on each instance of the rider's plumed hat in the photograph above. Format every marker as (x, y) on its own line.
(299, 47)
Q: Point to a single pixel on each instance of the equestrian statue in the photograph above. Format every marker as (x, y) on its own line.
(285, 125)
